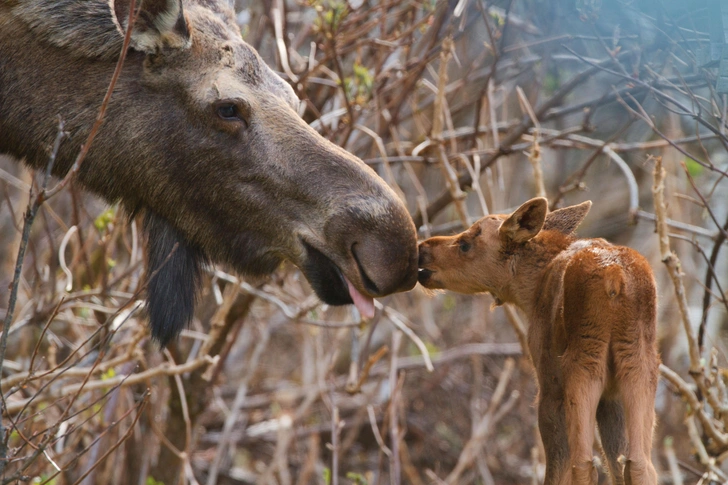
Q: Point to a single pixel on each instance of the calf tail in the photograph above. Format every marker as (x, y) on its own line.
(613, 280)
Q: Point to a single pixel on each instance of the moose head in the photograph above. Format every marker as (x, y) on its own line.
(204, 140)
(492, 255)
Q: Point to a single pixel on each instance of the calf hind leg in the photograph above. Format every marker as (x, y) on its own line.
(583, 392)
(639, 411)
(610, 418)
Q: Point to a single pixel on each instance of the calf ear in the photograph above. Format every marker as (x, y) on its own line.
(566, 220)
(525, 222)
(159, 24)
(173, 277)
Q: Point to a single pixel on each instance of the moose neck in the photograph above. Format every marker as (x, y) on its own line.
(79, 84)
(531, 264)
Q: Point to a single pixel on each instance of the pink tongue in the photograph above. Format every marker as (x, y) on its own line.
(365, 304)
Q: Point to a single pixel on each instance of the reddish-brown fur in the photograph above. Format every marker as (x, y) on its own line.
(592, 312)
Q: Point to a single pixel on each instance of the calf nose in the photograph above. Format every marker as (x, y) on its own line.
(425, 256)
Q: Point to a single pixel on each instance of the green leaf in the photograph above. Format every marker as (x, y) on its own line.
(432, 347)
(105, 218)
(45, 479)
(357, 478)
(108, 374)
(694, 168)
(363, 77)
(499, 21)
(332, 13)
(449, 302)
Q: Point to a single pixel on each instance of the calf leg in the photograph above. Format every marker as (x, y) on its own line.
(639, 410)
(582, 393)
(552, 426)
(584, 372)
(610, 418)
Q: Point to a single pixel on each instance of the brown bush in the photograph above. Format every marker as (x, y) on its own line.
(465, 108)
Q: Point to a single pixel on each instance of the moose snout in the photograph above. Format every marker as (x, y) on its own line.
(375, 245)
(385, 265)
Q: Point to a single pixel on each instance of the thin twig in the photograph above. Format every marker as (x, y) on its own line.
(485, 426)
(673, 264)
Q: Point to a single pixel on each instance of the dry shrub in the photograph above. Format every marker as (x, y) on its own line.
(464, 107)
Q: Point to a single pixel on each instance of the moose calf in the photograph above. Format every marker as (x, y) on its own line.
(592, 313)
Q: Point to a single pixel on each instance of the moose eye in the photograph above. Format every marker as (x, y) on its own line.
(464, 245)
(232, 111)
(228, 112)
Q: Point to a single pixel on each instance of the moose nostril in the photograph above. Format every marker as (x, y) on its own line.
(370, 286)
(380, 243)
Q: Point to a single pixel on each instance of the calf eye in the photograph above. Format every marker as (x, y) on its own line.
(464, 245)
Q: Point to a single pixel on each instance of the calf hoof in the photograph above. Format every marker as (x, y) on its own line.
(639, 473)
(584, 473)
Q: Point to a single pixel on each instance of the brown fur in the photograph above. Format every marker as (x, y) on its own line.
(249, 192)
(592, 312)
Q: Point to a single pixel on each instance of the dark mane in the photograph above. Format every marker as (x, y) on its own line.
(86, 28)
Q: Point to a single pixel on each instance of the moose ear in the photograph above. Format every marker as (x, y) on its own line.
(566, 220)
(159, 24)
(525, 222)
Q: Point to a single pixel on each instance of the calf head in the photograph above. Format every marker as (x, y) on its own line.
(498, 253)
(205, 140)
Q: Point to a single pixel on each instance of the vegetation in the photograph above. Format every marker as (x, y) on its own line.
(465, 108)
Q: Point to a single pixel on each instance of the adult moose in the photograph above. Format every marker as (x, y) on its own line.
(204, 140)
(592, 312)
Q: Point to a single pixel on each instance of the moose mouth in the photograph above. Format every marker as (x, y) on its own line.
(330, 283)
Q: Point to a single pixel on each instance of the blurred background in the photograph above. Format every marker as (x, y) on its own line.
(465, 107)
